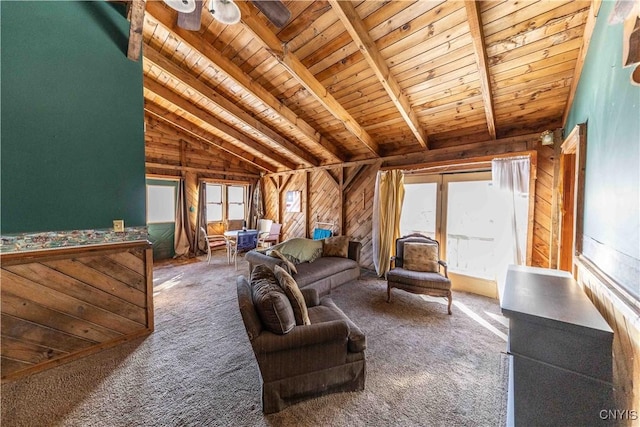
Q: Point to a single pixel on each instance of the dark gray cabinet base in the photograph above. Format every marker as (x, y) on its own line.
(560, 351)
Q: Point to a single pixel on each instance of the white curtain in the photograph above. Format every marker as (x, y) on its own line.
(510, 177)
(387, 206)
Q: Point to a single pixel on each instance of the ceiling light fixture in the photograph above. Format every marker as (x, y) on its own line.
(546, 137)
(184, 6)
(225, 11)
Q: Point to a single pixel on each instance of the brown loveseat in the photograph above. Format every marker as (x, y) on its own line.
(299, 362)
(322, 274)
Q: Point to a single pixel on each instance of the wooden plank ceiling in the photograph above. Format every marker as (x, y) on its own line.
(348, 81)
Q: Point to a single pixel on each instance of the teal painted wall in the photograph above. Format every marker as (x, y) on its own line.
(72, 118)
(610, 105)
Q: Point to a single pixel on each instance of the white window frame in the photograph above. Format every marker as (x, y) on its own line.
(224, 203)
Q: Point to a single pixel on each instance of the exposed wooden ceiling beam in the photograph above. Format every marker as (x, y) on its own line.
(207, 117)
(304, 76)
(477, 35)
(167, 18)
(231, 108)
(347, 13)
(183, 125)
(165, 166)
(457, 154)
(135, 14)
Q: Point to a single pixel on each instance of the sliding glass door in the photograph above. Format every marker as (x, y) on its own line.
(462, 212)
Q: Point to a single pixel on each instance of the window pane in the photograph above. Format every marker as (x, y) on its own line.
(214, 212)
(236, 211)
(214, 193)
(161, 205)
(419, 209)
(235, 194)
(471, 228)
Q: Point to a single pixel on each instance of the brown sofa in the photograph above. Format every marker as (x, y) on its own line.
(323, 274)
(300, 362)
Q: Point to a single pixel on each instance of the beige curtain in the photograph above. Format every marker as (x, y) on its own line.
(182, 230)
(387, 206)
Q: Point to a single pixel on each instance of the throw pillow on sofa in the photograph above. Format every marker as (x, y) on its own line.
(271, 302)
(290, 265)
(291, 289)
(336, 246)
(303, 250)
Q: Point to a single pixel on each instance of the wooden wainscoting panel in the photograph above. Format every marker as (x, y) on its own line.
(65, 303)
(624, 318)
(97, 279)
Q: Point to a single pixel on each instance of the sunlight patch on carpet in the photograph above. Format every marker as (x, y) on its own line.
(498, 318)
(466, 310)
(167, 284)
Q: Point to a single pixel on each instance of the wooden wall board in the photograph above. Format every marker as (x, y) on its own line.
(61, 304)
(621, 315)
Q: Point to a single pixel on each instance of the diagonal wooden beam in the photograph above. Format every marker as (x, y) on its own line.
(167, 18)
(136, 22)
(477, 35)
(183, 125)
(207, 117)
(232, 109)
(304, 76)
(354, 25)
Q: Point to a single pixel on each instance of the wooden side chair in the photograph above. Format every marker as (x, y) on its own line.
(417, 268)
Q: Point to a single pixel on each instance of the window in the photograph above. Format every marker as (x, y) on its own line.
(419, 209)
(235, 202)
(463, 212)
(225, 202)
(214, 202)
(472, 214)
(161, 204)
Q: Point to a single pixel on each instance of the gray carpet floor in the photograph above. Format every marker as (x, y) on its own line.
(424, 367)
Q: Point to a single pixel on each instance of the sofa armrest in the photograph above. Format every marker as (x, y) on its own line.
(254, 258)
(354, 250)
(311, 297)
(302, 336)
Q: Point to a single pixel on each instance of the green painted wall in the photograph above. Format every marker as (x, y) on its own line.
(610, 105)
(72, 118)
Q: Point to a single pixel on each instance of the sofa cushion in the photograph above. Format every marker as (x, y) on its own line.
(277, 254)
(299, 248)
(271, 303)
(337, 246)
(421, 257)
(290, 288)
(322, 268)
(418, 279)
